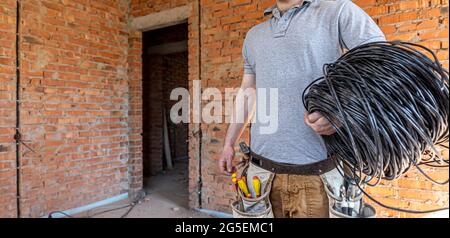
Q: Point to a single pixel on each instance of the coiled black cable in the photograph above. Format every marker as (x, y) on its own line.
(389, 104)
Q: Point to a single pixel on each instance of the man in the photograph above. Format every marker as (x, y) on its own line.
(288, 52)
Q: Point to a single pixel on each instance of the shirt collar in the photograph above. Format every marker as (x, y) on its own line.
(274, 9)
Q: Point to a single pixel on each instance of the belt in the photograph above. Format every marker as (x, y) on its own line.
(317, 168)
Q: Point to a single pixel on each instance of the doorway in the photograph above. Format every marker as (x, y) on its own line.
(165, 144)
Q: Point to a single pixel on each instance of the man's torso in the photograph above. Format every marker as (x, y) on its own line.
(288, 53)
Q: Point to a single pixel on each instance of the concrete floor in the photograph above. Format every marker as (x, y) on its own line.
(167, 197)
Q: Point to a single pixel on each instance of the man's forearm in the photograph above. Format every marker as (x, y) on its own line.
(243, 108)
(234, 132)
(236, 127)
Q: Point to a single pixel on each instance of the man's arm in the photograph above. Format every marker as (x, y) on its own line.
(356, 28)
(243, 107)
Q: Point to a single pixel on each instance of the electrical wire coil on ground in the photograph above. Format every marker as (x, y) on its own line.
(389, 104)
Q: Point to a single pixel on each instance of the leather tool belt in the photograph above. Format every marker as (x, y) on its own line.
(318, 168)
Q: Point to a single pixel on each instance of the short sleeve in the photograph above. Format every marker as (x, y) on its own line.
(356, 27)
(249, 65)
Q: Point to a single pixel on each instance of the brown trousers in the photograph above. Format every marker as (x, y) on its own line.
(299, 196)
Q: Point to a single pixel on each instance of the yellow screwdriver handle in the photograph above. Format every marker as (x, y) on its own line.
(257, 185)
(243, 186)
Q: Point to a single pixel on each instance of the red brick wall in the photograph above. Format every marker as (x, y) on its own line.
(224, 24)
(135, 123)
(7, 108)
(74, 103)
(74, 111)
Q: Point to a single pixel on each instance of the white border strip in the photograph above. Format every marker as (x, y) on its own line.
(91, 206)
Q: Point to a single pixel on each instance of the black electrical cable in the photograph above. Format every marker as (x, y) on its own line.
(113, 209)
(96, 214)
(130, 207)
(17, 136)
(200, 133)
(59, 212)
(389, 104)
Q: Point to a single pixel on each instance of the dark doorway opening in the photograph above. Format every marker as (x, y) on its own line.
(165, 67)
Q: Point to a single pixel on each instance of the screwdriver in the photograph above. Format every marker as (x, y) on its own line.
(257, 185)
(243, 186)
(234, 180)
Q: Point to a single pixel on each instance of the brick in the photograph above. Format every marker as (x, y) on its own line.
(234, 3)
(434, 34)
(365, 3)
(434, 45)
(428, 24)
(398, 17)
(408, 5)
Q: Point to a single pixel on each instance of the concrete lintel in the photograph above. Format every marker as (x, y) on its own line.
(168, 48)
(162, 19)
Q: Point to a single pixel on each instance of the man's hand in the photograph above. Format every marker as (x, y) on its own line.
(241, 109)
(319, 124)
(226, 160)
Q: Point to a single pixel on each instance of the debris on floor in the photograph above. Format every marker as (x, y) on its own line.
(167, 197)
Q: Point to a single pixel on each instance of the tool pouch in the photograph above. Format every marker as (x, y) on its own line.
(255, 207)
(333, 180)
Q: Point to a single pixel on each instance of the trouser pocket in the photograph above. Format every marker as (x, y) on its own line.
(254, 206)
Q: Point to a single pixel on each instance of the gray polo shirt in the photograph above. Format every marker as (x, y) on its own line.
(288, 52)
